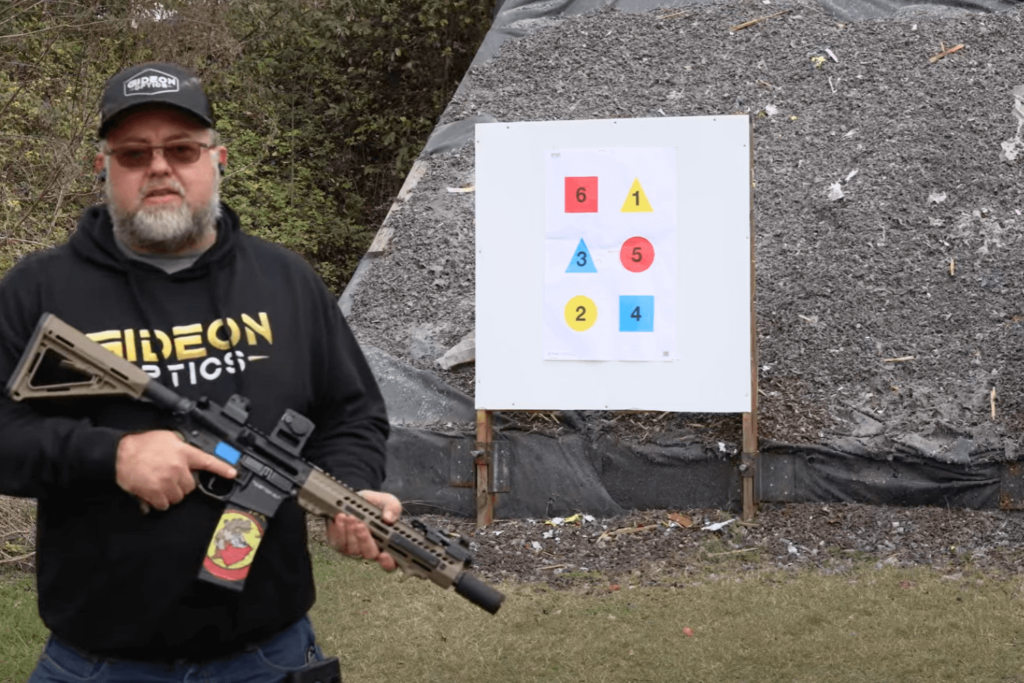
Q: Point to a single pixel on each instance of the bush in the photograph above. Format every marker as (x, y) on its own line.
(324, 105)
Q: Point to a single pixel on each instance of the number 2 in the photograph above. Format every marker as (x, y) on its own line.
(582, 310)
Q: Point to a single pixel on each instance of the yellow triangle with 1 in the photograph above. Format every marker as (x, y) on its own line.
(636, 202)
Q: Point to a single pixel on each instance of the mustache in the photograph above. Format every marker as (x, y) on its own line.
(161, 186)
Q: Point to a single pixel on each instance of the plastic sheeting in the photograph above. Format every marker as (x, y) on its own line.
(417, 397)
(433, 473)
(538, 476)
(788, 473)
(542, 476)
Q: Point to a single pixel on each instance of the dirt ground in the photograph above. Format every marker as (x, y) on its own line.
(663, 547)
(646, 544)
(658, 547)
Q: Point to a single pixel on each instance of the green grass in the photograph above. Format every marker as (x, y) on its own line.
(867, 624)
(22, 634)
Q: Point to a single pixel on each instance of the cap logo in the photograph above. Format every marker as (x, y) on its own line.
(150, 82)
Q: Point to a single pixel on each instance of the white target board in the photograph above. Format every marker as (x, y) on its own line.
(613, 265)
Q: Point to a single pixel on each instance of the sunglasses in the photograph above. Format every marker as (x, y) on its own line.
(176, 153)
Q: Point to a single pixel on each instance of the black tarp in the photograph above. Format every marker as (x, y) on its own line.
(596, 472)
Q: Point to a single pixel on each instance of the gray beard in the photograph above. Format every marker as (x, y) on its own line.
(164, 230)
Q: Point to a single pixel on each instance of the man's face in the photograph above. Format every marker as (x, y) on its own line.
(162, 206)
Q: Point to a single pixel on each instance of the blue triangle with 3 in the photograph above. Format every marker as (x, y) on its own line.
(581, 261)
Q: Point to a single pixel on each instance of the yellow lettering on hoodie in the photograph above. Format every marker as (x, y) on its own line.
(129, 345)
(147, 347)
(234, 332)
(110, 340)
(262, 328)
(188, 341)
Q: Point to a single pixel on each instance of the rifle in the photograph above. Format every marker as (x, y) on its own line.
(60, 361)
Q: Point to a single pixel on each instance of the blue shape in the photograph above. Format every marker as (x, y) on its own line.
(226, 452)
(636, 314)
(581, 261)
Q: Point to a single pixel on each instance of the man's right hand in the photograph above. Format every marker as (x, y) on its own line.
(157, 467)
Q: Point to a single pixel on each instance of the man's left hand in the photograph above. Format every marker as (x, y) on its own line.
(350, 536)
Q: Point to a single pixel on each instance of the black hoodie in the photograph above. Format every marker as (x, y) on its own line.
(248, 317)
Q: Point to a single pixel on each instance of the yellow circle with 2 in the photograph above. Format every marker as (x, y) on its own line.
(581, 313)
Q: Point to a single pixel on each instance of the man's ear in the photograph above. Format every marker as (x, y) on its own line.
(222, 159)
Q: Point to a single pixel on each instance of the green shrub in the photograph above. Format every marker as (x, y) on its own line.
(324, 105)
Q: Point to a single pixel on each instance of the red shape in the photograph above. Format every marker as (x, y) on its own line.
(637, 254)
(232, 555)
(226, 574)
(581, 195)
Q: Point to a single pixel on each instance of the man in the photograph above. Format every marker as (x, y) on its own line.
(163, 276)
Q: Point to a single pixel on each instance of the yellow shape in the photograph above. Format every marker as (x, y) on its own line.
(236, 530)
(636, 202)
(580, 313)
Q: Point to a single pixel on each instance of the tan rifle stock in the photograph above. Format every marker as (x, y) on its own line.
(102, 373)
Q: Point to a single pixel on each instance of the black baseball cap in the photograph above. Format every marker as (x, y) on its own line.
(153, 83)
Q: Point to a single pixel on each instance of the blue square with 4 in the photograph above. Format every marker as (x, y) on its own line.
(636, 314)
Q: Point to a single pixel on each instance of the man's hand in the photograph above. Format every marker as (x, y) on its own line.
(157, 466)
(349, 536)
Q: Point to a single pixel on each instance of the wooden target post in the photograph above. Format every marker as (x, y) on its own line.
(482, 464)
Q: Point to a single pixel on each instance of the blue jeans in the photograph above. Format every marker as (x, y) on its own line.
(287, 652)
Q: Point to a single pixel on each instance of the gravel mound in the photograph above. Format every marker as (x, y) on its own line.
(887, 207)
